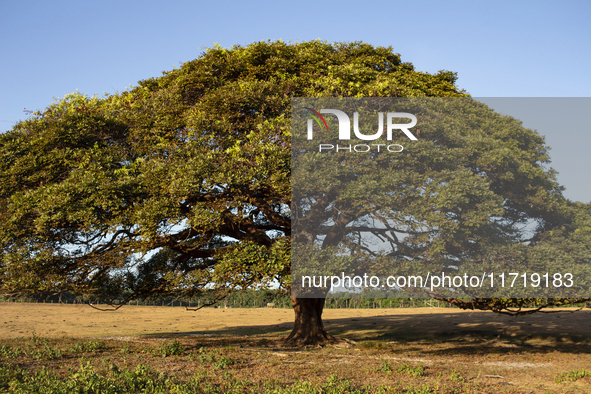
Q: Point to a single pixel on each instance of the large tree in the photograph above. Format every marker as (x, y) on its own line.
(182, 184)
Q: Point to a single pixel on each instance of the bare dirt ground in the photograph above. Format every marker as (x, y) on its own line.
(51, 320)
(460, 351)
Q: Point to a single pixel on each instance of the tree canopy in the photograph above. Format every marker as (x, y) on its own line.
(181, 183)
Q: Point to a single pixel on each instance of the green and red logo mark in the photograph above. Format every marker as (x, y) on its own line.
(317, 117)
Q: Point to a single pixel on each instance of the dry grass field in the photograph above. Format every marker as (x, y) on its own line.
(170, 349)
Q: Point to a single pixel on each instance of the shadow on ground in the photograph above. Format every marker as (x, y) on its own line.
(468, 333)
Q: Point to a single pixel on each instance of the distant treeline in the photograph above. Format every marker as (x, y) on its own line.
(246, 299)
(240, 299)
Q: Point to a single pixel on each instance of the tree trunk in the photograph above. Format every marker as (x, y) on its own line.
(308, 328)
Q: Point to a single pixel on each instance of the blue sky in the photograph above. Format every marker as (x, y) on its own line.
(499, 49)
